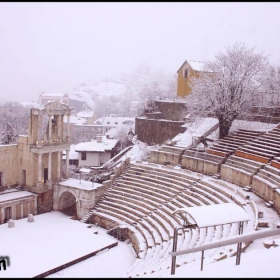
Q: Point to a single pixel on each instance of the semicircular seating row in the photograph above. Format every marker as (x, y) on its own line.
(245, 158)
(142, 200)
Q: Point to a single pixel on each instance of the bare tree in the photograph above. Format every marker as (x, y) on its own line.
(271, 89)
(125, 133)
(228, 86)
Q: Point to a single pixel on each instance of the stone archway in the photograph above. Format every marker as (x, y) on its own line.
(67, 204)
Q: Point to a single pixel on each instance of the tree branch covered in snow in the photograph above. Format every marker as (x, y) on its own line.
(271, 88)
(16, 115)
(8, 135)
(228, 86)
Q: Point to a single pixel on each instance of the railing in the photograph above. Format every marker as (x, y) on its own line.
(247, 237)
(113, 161)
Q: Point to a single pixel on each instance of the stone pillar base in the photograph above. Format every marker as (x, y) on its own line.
(40, 186)
(49, 184)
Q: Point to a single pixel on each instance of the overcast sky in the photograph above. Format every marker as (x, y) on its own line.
(53, 47)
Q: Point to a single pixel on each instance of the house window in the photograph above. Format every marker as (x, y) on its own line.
(84, 155)
(186, 73)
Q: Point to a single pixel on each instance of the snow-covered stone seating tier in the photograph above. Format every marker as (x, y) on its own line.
(262, 149)
(240, 137)
(239, 170)
(144, 197)
(265, 182)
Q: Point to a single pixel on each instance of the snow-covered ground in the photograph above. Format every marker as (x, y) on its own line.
(51, 240)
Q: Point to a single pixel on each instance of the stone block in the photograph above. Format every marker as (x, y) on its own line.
(11, 223)
(30, 218)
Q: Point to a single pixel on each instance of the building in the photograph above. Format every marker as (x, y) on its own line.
(34, 164)
(96, 152)
(73, 121)
(73, 156)
(45, 97)
(89, 116)
(188, 70)
(86, 132)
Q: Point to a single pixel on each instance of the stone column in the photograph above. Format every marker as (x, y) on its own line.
(2, 215)
(40, 168)
(68, 128)
(35, 205)
(50, 170)
(67, 164)
(62, 128)
(50, 129)
(13, 214)
(21, 210)
(59, 127)
(39, 127)
(58, 166)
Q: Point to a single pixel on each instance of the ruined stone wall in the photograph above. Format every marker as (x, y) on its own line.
(9, 164)
(153, 131)
(173, 111)
(45, 202)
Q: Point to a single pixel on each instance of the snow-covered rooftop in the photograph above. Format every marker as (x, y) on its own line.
(85, 114)
(73, 155)
(52, 94)
(75, 120)
(115, 121)
(196, 65)
(14, 195)
(95, 146)
(80, 184)
(215, 214)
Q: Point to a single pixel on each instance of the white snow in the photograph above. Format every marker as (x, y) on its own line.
(216, 214)
(15, 195)
(73, 155)
(51, 240)
(85, 170)
(80, 184)
(47, 94)
(196, 65)
(193, 129)
(204, 124)
(85, 114)
(95, 146)
(115, 121)
(75, 120)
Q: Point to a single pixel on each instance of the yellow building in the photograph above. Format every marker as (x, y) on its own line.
(188, 70)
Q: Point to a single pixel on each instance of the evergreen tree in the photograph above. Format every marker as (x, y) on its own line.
(8, 135)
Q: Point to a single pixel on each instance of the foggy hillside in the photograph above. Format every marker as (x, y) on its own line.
(118, 91)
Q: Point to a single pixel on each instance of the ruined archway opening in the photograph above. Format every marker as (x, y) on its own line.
(68, 204)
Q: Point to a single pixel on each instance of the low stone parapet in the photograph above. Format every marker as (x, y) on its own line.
(235, 175)
(200, 165)
(263, 188)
